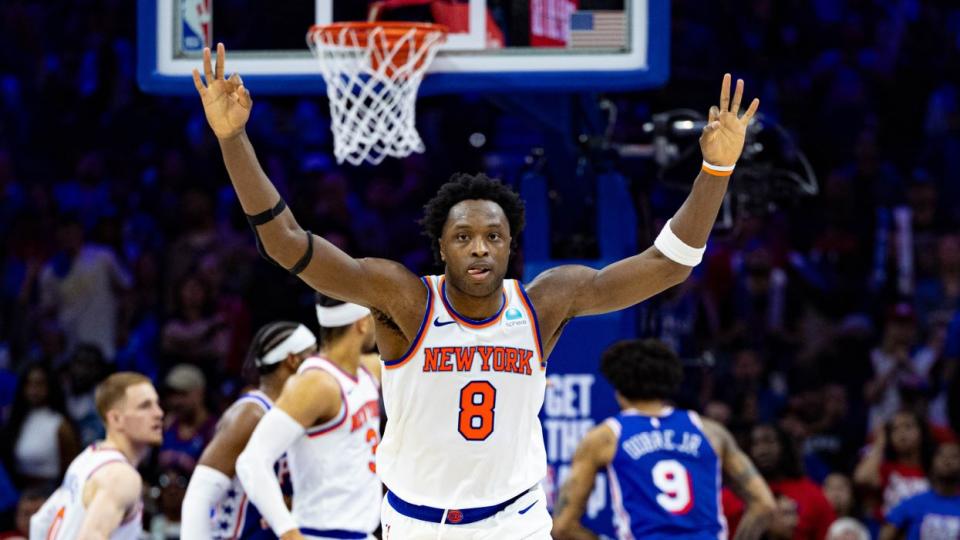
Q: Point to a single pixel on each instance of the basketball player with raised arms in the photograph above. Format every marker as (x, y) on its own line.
(327, 421)
(464, 353)
(100, 497)
(665, 465)
(215, 505)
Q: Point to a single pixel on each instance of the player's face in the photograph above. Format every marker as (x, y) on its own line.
(475, 246)
(140, 417)
(369, 334)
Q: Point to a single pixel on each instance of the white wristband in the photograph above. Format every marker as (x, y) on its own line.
(718, 170)
(676, 250)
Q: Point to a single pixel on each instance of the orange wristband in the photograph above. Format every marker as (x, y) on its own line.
(717, 170)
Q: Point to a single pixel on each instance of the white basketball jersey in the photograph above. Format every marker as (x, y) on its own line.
(335, 484)
(462, 406)
(234, 516)
(62, 515)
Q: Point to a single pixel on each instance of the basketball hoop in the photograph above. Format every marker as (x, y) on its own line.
(372, 72)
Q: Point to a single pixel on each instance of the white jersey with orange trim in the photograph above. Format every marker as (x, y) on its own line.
(62, 514)
(335, 484)
(462, 406)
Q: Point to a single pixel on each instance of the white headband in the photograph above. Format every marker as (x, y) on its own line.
(300, 340)
(341, 315)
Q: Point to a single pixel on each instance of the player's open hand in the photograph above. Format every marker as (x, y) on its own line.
(722, 140)
(226, 102)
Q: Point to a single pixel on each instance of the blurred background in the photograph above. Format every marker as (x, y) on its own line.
(825, 312)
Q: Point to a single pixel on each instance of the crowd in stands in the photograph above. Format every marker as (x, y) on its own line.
(835, 320)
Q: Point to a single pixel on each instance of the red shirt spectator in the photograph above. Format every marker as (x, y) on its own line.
(814, 513)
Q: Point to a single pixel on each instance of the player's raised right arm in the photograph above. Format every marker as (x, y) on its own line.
(227, 104)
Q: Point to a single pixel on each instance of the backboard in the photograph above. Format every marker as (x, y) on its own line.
(494, 45)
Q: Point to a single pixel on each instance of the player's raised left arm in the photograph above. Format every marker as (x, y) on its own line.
(596, 450)
(682, 241)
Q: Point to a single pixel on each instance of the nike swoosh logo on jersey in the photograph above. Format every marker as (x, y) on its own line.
(438, 324)
(524, 511)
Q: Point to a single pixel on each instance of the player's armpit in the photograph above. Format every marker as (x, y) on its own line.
(596, 450)
(311, 397)
(111, 493)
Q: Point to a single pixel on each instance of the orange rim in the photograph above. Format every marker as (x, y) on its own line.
(393, 31)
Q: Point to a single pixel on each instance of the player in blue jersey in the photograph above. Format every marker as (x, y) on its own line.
(215, 505)
(935, 513)
(665, 464)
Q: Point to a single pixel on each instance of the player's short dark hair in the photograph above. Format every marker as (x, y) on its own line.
(329, 334)
(465, 187)
(642, 369)
(267, 337)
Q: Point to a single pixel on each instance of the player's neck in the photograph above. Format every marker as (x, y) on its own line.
(345, 354)
(477, 308)
(134, 453)
(272, 387)
(647, 408)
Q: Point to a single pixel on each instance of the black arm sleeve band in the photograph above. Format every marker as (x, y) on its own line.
(267, 215)
(305, 260)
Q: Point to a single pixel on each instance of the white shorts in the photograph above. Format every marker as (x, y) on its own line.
(525, 518)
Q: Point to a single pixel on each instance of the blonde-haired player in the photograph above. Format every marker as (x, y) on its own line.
(100, 494)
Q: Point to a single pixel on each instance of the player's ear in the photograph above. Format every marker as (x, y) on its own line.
(443, 256)
(113, 417)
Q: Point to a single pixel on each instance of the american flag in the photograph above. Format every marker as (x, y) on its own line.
(598, 30)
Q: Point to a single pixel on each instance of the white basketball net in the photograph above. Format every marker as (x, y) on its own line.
(372, 86)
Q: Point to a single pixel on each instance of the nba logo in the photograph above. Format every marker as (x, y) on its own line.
(454, 516)
(197, 26)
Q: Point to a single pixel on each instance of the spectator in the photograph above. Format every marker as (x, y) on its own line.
(847, 529)
(895, 465)
(189, 425)
(85, 370)
(38, 441)
(932, 514)
(831, 440)
(196, 334)
(80, 286)
(838, 489)
(777, 460)
(896, 366)
(30, 502)
(173, 486)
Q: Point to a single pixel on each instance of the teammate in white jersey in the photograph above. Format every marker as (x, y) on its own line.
(215, 505)
(100, 494)
(327, 420)
(473, 223)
